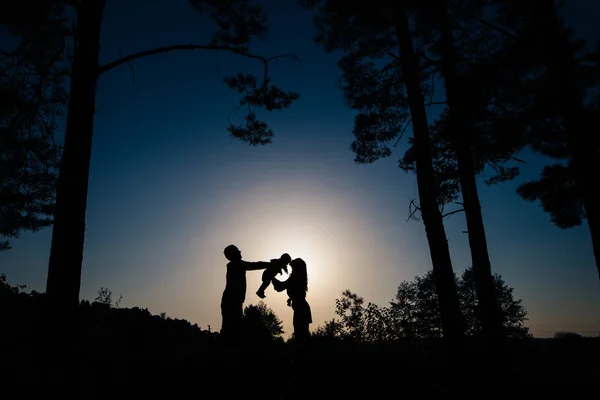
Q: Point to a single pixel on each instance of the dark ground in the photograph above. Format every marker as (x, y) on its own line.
(540, 368)
(131, 354)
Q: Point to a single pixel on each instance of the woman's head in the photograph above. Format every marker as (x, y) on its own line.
(298, 265)
(299, 272)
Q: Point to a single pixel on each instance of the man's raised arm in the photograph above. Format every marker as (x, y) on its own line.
(254, 265)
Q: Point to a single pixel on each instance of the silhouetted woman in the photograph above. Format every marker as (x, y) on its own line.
(297, 286)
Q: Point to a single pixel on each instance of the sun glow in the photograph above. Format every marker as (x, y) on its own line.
(307, 220)
(313, 250)
(304, 218)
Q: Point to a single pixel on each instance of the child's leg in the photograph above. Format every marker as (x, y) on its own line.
(266, 280)
(266, 277)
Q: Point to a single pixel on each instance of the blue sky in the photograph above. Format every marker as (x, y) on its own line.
(169, 189)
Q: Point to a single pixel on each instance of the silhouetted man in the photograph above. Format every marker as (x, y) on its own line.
(235, 292)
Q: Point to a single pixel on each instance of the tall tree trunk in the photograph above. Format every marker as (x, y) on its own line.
(452, 319)
(582, 145)
(66, 254)
(462, 132)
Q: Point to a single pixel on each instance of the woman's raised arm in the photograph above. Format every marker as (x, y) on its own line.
(278, 285)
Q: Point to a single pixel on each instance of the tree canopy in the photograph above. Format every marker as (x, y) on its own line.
(33, 101)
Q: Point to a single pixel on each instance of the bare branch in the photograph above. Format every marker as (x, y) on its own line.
(47, 74)
(432, 88)
(130, 67)
(433, 62)
(217, 65)
(588, 58)
(387, 67)
(72, 3)
(395, 57)
(410, 121)
(495, 27)
(403, 130)
(413, 208)
(517, 159)
(452, 212)
(132, 72)
(161, 50)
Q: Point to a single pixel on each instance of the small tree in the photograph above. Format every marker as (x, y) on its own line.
(104, 296)
(260, 324)
(331, 329)
(362, 324)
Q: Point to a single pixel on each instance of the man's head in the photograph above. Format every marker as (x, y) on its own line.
(232, 253)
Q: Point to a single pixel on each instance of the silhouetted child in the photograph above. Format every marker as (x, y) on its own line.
(277, 265)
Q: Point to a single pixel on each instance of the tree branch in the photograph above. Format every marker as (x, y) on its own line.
(432, 88)
(496, 27)
(431, 103)
(452, 212)
(130, 67)
(161, 50)
(517, 159)
(413, 208)
(72, 3)
(426, 58)
(403, 131)
(395, 57)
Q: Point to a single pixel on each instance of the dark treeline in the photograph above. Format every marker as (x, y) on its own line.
(131, 352)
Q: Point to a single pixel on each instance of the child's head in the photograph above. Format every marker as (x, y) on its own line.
(285, 257)
(285, 260)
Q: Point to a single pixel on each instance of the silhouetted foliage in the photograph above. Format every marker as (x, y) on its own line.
(556, 189)
(414, 312)
(561, 92)
(558, 194)
(261, 326)
(256, 132)
(372, 82)
(32, 103)
(532, 88)
(105, 297)
(564, 335)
